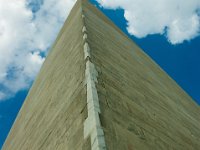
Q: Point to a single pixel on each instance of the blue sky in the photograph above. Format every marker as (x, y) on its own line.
(174, 45)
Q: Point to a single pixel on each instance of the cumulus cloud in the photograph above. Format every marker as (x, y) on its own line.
(2, 96)
(178, 20)
(27, 29)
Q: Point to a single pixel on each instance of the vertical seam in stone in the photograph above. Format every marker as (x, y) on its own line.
(92, 125)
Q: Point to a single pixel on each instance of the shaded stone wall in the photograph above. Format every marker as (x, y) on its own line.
(141, 106)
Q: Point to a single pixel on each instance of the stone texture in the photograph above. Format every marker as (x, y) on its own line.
(54, 111)
(141, 106)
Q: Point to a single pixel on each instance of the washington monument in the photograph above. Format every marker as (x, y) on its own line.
(97, 90)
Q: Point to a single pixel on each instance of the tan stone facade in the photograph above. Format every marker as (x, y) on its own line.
(95, 72)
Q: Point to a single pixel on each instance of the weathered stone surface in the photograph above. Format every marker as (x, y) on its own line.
(54, 111)
(141, 106)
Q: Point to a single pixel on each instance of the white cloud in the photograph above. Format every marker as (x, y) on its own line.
(23, 36)
(2, 96)
(176, 19)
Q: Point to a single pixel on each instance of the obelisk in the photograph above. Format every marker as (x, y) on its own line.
(98, 90)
